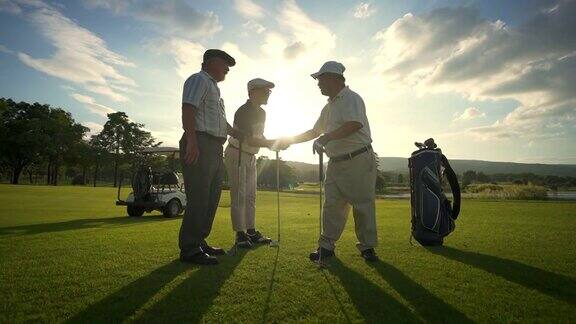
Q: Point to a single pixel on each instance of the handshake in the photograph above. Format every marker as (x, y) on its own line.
(279, 144)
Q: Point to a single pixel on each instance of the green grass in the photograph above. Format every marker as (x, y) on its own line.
(69, 254)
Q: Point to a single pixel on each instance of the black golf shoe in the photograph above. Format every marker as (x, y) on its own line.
(321, 254)
(243, 240)
(200, 258)
(369, 255)
(257, 238)
(212, 250)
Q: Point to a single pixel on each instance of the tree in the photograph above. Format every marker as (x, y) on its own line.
(123, 138)
(266, 170)
(65, 135)
(468, 177)
(32, 133)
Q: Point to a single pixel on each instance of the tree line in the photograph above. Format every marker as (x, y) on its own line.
(45, 143)
(47, 146)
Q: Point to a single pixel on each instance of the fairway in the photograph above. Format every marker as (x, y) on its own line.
(70, 254)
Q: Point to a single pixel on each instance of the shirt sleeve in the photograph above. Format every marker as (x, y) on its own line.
(320, 125)
(195, 89)
(353, 110)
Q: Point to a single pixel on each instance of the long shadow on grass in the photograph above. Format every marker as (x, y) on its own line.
(188, 302)
(371, 301)
(270, 288)
(431, 308)
(555, 285)
(118, 306)
(191, 299)
(80, 224)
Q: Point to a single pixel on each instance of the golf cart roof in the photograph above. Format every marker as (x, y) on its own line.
(160, 150)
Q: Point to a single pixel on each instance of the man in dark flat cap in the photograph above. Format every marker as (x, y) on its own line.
(205, 132)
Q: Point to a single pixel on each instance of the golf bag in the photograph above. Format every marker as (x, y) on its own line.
(433, 215)
(142, 183)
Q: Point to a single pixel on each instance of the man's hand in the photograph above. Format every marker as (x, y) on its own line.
(317, 147)
(324, 139)
(279, 144)
(237, 134)
(192, 151)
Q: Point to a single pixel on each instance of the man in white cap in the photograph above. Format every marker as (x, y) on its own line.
(249, 119)
(343, 132)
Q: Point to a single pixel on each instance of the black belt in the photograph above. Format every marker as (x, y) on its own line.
(349, 156)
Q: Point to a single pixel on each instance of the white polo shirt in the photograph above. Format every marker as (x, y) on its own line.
(202, 92)
(346, 106)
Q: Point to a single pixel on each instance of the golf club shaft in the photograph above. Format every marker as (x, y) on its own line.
(278, 190)
(238, 178)
(321, 182)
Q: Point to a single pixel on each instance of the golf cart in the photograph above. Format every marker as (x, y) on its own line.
(152, 190)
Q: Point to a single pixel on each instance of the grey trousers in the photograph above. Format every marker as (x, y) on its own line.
(203, 184)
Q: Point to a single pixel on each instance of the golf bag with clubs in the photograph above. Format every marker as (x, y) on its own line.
(433, 215)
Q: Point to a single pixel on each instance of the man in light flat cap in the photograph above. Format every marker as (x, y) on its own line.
(249, 119)
(343, 132)
(205, 131)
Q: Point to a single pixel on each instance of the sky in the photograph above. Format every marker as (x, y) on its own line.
(488, 79)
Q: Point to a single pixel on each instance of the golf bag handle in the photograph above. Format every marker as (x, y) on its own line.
(454, 186)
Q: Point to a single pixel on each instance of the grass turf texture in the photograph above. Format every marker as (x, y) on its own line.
(67, 253)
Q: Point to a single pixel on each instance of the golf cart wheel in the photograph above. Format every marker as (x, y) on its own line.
(134, 211)
(172, 208)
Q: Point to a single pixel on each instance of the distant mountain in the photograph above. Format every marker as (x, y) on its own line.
(309, 172)
(396, 164)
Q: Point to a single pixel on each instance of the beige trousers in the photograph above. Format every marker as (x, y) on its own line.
(243, 193)
(348, 184)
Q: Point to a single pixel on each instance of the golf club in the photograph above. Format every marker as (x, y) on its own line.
(320, 150)
(277, 242)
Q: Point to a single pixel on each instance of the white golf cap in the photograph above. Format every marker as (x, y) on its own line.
(330, 67)
(259, 83)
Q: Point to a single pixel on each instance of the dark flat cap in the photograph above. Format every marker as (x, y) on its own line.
(219, 53)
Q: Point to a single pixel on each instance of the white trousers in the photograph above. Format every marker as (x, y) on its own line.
(242, 182)
(350, 183)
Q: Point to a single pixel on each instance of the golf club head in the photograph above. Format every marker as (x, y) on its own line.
(430, 143)
(321, 264)
(274, 244)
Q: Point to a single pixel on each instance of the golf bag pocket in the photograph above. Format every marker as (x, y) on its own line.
(430, 210)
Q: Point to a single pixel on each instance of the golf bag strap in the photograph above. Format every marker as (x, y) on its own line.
(454, 186)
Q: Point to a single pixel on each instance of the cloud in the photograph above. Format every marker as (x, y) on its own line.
(469, 114)
(80, 56)
(4, 49)
(454, 50)
(252, 26)
(249, 9)
(91, 104)
(293, 50)
(169, 17)
(304, 35)
(10, 7)
(364, 10)
(95, 128)
(187, 54)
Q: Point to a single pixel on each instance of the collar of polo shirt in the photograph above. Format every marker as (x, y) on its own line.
(208, 74)
(340, 94)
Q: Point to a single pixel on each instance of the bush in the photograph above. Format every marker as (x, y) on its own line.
(515, 191)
